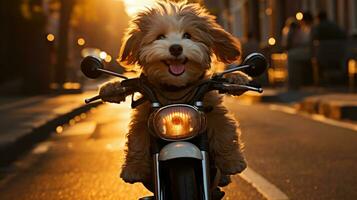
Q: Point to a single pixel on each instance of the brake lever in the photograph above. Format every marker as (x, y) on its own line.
(254, 89)
(245, 87)
(90, 100)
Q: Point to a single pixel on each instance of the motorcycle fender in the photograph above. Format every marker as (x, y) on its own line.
(180, 150)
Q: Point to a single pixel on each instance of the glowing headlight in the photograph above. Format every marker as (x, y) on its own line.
(177, 122)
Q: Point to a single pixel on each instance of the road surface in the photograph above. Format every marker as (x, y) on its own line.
(302, 158)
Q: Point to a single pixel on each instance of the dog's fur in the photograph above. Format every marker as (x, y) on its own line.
(147, 45)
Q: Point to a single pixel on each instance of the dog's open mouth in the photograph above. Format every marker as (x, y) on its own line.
(176, 67)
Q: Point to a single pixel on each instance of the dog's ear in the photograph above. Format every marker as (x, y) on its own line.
(129, 53)
(225, 46)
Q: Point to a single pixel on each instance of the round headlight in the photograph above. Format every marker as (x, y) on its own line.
(177, 122)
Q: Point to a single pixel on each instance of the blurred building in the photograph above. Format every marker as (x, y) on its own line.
(259, 25)
(265, 18)
(42, 40)
(23, 47)
(219, 9)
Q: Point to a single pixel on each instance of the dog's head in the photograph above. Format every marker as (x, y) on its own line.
(174, 43)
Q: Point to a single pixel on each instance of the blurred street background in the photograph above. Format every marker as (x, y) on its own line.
(300, 135)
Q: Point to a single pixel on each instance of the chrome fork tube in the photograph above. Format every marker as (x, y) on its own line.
(158, 192)
(206, 175)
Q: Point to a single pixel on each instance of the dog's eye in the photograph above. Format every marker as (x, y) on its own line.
(161, 37)
(186, 36)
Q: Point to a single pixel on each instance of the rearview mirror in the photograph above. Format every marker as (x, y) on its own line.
(257, 63)
(91, 66)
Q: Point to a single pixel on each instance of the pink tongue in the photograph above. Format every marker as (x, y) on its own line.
(177, 69)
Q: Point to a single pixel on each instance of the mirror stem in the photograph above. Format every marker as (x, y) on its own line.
(112, 73)
(232, 70)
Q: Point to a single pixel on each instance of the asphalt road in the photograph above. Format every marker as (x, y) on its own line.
(306, 159)
(303, 158)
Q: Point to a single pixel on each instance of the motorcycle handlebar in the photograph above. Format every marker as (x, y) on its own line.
(223, 88)
(127, 89)
(90, 100)
(254, 65)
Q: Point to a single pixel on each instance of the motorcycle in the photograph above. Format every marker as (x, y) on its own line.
(179, 142)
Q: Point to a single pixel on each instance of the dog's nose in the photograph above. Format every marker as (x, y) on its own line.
(175, 50)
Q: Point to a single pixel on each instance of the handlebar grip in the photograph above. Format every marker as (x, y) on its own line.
(255, 84)
(87, 101)
(238, 89)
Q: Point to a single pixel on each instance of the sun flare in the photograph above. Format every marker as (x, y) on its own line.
(134, 6)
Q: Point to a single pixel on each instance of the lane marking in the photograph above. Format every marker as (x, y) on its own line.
(263, 186)
(285, 109)
(315, 117)
(42, 148)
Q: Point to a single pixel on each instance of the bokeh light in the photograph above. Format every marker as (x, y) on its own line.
(269, 11)
(352, 67)
(271, 41)
(81, 41)
(299, 16)
(50, 37)
(103, 55)
(108, 58)
(59, 129)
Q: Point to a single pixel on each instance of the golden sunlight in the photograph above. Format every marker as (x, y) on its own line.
(134, 6)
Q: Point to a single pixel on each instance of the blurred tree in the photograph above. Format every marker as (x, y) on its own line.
(5, 33)
(23, 47)
(11, 40)
(100, 23)
(36, 74)
(32, 46)
(62, 53)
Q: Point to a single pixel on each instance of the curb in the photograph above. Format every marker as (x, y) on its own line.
(10, 152)
(338, 108)
(328, 109)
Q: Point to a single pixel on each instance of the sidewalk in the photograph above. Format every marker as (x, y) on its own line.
(331, 104)
(23, 122)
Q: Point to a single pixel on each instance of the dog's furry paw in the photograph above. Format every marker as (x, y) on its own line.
(238, 78)
(234, 167)
(135, 173)
(224, 181)
(112, 92)
(131, 175)
(217, 194)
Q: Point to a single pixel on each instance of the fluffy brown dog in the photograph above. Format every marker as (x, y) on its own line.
(173, 44)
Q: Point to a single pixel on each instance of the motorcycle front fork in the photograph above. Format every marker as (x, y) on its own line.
(159, 194)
